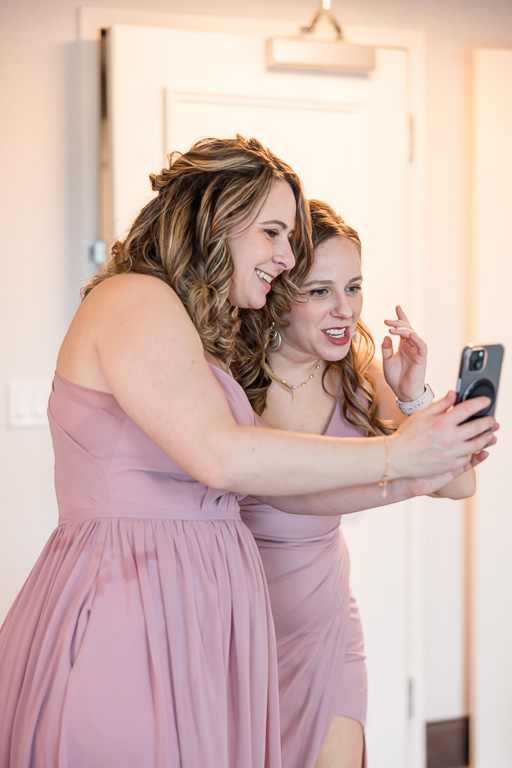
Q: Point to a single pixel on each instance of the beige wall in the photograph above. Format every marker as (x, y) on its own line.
(41, 259)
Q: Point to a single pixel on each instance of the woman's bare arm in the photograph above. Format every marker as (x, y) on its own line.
(151, 358)
(355, 498)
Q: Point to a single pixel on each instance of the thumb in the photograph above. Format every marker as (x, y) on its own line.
(387, 348)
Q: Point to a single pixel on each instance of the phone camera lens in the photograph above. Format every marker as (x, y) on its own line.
(476, 361)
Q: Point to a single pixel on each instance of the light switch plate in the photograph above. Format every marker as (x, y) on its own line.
(28, 403)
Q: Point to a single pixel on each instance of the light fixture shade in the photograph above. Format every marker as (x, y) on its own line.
(333, 56)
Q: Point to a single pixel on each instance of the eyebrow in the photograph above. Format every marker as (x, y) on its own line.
(276, 221)
(328, 282)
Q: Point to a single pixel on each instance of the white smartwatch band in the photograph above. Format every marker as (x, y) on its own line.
(412, 406)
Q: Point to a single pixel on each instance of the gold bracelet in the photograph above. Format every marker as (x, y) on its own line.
(383, 482)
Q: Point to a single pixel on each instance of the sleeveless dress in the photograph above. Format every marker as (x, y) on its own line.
(143, 637)
(320, 648)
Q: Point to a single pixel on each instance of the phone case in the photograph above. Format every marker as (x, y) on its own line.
(482, 380)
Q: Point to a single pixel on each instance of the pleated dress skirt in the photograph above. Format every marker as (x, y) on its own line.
(143, 637)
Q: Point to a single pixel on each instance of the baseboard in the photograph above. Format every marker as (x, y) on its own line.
(448, 743)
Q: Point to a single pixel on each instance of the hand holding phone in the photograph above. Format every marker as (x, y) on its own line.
(479, 374)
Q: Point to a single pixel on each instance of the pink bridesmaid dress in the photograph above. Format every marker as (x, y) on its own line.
(320, 646)
(143, 637)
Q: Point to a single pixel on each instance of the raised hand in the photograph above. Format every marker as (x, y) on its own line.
(404, 370)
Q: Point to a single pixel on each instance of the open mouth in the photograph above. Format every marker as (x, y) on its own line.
(336, 333)
(264, 276)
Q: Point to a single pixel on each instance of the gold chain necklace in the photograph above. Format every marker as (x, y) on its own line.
(303, 383)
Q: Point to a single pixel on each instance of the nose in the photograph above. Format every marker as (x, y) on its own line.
(284, 256)
(342, 308)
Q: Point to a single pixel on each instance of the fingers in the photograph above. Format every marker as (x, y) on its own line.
(480, 455)
(402, 327)
(432, 484)
(460, 413)
(491, 441)
(406, 334)
(402, 317)
(412, 339)
(478, 443)
(401, 320)
(438, 406)
(478, 458)
(463, 411)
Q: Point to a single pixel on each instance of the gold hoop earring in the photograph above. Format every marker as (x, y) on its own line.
(274, 338)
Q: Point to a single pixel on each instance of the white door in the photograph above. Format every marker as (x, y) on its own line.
(346, 136)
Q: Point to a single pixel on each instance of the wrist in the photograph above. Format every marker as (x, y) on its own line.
(409, 397)
(399, 489)
(394, 457)
(411, 406)
(383, 482)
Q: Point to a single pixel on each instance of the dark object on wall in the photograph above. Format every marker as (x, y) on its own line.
(448, 743)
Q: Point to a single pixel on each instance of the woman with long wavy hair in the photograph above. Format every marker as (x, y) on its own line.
(143, 636)
(313, 370)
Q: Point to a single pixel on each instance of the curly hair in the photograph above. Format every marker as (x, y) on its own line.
(180, 236)
(358, 385)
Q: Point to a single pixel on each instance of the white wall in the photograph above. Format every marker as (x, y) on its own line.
(41, 259)
(491, 519)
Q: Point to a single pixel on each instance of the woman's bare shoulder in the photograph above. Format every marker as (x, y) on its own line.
(130, 287)
(122, 310)
(134, 298)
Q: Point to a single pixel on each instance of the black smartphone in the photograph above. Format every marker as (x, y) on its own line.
(479, 374)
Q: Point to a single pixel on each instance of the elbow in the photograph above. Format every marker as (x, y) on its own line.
(462, 492)
(221, 463)
(462, 488)
(214, 474)
(220, 480)
(218, 472)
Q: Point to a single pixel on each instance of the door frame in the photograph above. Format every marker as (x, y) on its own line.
(91, 21)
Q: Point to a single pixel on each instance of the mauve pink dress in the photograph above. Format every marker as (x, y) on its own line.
(143, 637)
(320, 646)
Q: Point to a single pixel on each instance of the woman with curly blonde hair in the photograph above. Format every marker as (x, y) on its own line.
(143, 636)
(313, 370)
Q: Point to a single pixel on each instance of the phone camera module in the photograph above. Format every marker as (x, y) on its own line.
(476, 361)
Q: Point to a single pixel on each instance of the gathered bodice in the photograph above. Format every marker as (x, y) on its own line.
(107, 466)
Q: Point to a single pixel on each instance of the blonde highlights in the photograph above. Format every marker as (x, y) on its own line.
(180, 236)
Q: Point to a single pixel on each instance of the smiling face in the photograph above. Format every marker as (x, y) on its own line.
(260, 248)
(323, 325)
